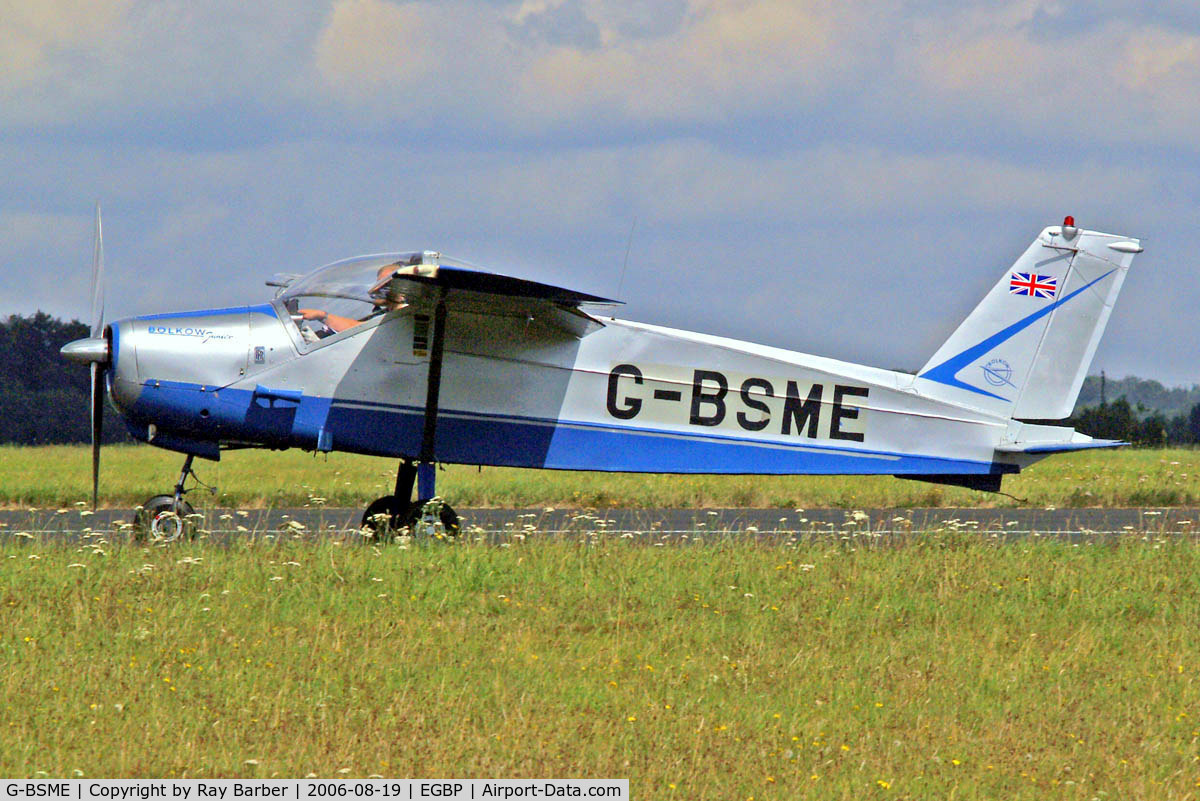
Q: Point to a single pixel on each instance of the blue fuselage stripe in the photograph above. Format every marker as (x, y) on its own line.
(232, 415)
(262, 308)
(947, 371)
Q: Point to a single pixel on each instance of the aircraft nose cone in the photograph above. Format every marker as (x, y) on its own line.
(92, 350)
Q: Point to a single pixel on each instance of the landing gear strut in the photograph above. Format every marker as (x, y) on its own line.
(427, 516)
(165, 518)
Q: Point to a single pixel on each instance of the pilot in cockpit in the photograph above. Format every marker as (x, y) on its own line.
(383, 299)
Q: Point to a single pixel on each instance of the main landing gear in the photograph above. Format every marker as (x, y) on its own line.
(428, 516)
(167, 518)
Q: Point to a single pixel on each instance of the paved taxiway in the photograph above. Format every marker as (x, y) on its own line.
(1009, 522)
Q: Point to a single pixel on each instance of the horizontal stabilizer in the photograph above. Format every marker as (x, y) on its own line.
(1031, 438)
(1062, 447)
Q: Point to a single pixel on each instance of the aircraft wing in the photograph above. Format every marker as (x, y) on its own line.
(417, 280)
(477, 291)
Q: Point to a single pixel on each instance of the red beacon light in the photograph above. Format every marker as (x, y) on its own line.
(1068, 227)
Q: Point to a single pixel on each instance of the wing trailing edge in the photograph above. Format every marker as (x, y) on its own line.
(454, 278)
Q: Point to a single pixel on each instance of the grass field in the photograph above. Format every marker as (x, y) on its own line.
(948, 666)
(58, 476)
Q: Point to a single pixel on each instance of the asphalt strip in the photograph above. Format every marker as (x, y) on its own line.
(649, 522)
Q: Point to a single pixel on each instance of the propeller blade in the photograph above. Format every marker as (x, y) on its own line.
(98, 279)
(97, 427)
(97, 368)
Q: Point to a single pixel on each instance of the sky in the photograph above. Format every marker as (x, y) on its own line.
(842, 180)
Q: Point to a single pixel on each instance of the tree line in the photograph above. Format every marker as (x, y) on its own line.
(1148, 394)
(1138, 425)
(44, 398)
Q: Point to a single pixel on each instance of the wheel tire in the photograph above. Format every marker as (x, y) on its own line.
(383, 518)
(445, 525)
(160, 521)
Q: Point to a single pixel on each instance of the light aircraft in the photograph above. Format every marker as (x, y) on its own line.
(427, 359)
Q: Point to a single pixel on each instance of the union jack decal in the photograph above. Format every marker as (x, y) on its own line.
(1033, 285)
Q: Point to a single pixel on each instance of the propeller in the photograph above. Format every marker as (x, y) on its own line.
(94, 351)
(97, 368)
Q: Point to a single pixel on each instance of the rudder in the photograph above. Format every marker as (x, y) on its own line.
(1025, 349)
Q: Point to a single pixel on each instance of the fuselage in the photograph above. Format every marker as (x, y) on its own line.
(557, 391)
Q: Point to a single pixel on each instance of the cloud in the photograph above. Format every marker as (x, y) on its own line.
(1165, 67)
(550, 65)
(799, 174)
(46, 258)
(562, 24)
(42, 36)
(370, 46)
(189, 225)
(586, 70)
(722, 60)
(121, 66)
(34, 230)
(1114, 79)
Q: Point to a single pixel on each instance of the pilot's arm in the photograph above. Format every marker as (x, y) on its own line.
(336, 322)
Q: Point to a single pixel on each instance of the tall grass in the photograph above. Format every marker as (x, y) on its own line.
(61, 475)
(945, 667)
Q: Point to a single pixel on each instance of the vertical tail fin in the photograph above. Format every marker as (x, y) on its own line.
(1024, 351)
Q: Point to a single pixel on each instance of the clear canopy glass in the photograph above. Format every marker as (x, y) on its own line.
(349, 279)
(351, 289)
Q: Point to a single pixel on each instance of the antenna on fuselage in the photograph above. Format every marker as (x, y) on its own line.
(624, 264)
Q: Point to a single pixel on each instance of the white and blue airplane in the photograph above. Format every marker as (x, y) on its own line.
(426, 359)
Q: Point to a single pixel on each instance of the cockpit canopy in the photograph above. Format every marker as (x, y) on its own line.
(350, 287)
(333, 297)
(341, 295)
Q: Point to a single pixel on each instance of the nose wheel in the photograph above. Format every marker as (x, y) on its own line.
(167, 518)
(163, 519)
